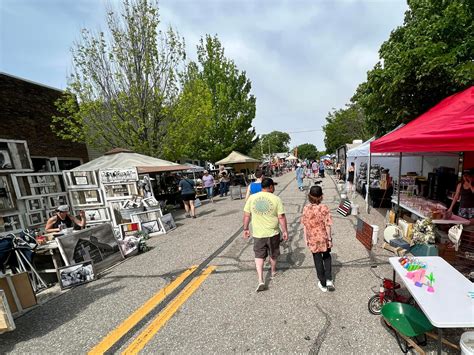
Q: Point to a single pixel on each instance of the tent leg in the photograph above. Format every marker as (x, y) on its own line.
(367, 205)
(399, 185)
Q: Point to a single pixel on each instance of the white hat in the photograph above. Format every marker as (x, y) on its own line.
(63, 208)
(298, 165)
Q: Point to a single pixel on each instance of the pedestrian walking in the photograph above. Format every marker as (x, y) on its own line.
(350, 179)
(314, 167)
(266, 212)
(317, 221)
(255, 186)
(224, 182)
(338, 171)
(299, 176)
(188, 195)
(321, 168)
(208, 181)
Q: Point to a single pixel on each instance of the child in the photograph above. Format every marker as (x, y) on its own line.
(317, 222)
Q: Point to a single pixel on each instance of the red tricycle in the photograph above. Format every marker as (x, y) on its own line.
(387, 293)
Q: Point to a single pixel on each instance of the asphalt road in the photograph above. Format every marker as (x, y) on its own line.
(225, 314)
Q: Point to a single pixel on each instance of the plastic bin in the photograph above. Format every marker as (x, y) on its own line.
(467, 343)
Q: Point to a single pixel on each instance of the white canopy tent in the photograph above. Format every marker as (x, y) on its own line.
(121, 159)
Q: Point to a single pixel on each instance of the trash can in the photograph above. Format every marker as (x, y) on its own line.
(467, 343)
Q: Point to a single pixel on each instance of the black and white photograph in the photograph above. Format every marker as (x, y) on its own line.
(35, 218)
(147, 216)
(150, 202)
(97, 243)
(77, 274)
(55, 201)
(152, 227)
(34, 204)
(96, 214)
(129, 245)
(168, 222)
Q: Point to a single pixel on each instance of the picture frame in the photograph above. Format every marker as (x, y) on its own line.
(76, 274)
(85, 198)
(152, 227)
(97, 243)
(129, 229)
(57, 200)
(110, 176)
(80, 179)
(151, 202)
(35, 218)
(34, 204)
(167, 222)
(94, 215)
(11, 223)
(147, 216)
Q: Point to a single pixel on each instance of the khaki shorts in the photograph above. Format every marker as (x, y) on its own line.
(267, 246)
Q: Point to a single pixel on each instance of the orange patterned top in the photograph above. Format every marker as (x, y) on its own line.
(316, 218)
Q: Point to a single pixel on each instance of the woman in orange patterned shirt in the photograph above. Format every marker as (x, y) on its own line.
(317, 222)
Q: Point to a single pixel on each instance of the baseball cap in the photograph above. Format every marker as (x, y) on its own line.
(63, 208)
(267, 182)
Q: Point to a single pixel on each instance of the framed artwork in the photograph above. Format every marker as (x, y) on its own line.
(84, 198)
(75, 275)
(96, 243)
(167, 222)
(6, 200)
(99, 214)
(152, 227)
(37, 184)
(35, 218)
(80, 179)
(153, 215)
(110, 176)
(120, 191)
(151, 202)
(129, 229)
(10, 223)
(34, 204)
(58, 200)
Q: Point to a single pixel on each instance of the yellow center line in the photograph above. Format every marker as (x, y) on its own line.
(160, 320)
(139, 314)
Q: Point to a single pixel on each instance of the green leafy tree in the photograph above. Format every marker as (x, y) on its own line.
(233, 106)
(187, 133)
(343, 126)
(124, 86)
(308, 151)
(273, 142)
(427, 59)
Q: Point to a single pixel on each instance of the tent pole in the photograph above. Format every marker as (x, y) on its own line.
(367, 207)
(399, 185)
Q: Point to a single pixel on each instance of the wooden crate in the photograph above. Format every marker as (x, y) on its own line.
(7, 324)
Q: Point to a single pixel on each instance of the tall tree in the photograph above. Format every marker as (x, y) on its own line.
(427, 59)
(233, 106)
(273, 142)
(124, 87)
(308, 151)
(343, 126)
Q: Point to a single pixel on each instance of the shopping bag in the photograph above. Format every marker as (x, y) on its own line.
(197, 202)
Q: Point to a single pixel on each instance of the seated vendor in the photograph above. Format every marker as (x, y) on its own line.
(465, 191)
(62, 220)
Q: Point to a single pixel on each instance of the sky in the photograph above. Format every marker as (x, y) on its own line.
(304, 58)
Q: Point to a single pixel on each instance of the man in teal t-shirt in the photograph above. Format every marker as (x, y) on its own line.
(268, 216)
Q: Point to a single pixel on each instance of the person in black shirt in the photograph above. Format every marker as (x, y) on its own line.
(62, 220)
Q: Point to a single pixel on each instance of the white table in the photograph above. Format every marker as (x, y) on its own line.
(449, 306)
(452, 220)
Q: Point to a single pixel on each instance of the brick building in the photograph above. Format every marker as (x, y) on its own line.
(26, 109)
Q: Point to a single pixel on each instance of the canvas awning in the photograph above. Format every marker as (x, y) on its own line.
(237, 158)
(194, 168)
(447, 127)
(122, 158)
(291, 157)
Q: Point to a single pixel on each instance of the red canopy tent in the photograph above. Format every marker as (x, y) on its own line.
(447, 127)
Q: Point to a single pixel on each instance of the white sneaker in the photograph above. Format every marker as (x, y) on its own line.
(322, 288)
(330, 285)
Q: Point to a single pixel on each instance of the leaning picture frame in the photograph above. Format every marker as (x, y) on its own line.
(167, 222)
(153, 227)
(76, 274)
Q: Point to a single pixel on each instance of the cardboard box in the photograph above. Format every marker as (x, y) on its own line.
(22, 296)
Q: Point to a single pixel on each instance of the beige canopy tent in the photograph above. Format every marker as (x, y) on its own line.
(240, 162)
(291, 157)
(119, 158)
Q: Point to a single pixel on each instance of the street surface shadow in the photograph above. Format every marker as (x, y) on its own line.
(227, 213)
(61, 310)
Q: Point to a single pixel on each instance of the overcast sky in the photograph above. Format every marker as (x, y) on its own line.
(304, 58)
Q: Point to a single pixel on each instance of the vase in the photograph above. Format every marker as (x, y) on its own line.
(424, 250)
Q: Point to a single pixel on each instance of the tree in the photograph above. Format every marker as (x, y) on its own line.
(274, 142)
(427, 59)
(343, 126)
(123, 89)
(308, 151)
(233, 106)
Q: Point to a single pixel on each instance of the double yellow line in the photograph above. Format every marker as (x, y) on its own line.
(146, 335)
